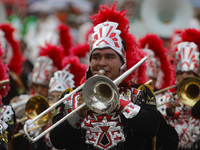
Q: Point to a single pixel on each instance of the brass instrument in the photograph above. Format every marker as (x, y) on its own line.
(188, 91)
(165, 89)
(161, 17)
(104, 93)
(34, 106)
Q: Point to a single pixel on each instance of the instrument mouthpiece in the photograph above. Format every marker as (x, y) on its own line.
(102, 71)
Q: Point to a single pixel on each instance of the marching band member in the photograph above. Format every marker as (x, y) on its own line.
(61, 80)
(14, 59)
(134, 122)
(160, 71)
(42, 72)
(159, 68)
(177, 112)
(7, 115)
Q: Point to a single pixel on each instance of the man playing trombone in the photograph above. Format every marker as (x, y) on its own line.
(180, 102)
(133, 122)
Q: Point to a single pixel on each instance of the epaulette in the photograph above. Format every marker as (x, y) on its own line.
(146, 95)
(60, 108)
(67, 91)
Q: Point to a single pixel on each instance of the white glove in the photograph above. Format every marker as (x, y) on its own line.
(34, 132)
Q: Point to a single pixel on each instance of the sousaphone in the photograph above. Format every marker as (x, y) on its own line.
(163, 16)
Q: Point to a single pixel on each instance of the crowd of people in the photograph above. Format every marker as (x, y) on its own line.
(155, 107)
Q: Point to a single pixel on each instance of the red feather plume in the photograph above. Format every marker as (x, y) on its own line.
(16, 61)
(88, 33)
(191, 35)
(175, 39)
(80, 50)
(3, 76)
(111, 14)
(65, 38)
(156, 45)
(55, 53)
(75, 67)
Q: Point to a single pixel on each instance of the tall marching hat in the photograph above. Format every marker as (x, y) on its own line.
(111, 29)
(43, 70)
(187, 54)
(157, 61)
(49, 61)
(61, 80)
(73, 65)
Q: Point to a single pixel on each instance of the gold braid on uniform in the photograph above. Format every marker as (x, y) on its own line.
(146, 95)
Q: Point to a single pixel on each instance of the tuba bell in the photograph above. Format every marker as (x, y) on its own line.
(188, 91)
(163, 16)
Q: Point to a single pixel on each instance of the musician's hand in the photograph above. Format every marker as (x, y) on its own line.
(14, 99)
(83, 111)
(34, 132)
(172, 106)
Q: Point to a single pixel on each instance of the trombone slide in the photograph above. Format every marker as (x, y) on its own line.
(53, 126)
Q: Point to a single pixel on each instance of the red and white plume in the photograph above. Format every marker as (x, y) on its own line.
(65, 38)
(4, 86)
(82, 52)
(155, 44)
(55, 53)
(15, 63)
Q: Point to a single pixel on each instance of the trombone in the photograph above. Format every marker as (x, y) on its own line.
(33, 107)
(103, 94)
(188, 91)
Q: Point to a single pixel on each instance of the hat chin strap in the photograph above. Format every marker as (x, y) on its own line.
(122, 69)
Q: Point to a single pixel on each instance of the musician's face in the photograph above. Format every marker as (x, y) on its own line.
(54, 97)
(40, 89)
(180, 75)
(108, 60)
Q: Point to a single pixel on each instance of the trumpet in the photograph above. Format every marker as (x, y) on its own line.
(103, 97)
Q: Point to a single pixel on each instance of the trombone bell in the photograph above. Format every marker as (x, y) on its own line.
(100, 94)
(188, 91)
(36, 105)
